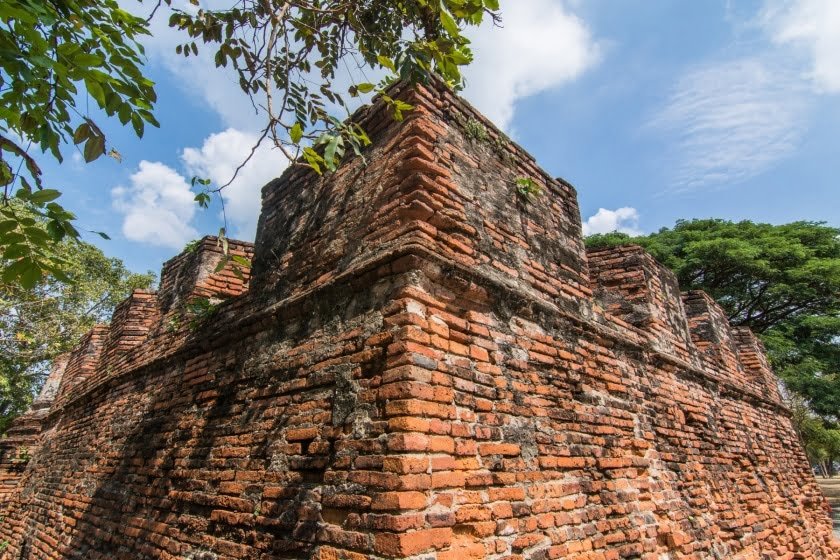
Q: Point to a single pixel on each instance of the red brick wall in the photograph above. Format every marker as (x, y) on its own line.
(423, 365)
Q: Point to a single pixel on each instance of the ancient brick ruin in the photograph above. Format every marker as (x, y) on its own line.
(422, 363)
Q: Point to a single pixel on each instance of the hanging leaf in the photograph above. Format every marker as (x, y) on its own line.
(94, 147)
(43, 196)
(296, 133)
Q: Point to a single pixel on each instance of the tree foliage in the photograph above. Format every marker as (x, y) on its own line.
(289, 56)
(783, 281)
(763, 275)
(820, 439)
(38, 324)
(58, 59)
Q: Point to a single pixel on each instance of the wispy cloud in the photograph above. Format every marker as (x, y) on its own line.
(624, 220)
(730, 121)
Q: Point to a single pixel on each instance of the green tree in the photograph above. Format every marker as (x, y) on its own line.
(60, 54)
(56, 56)
(38, 324)
(820, 439)
(783, 281)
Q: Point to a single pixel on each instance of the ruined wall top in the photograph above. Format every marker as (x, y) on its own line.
(446, 184)
(423, 361)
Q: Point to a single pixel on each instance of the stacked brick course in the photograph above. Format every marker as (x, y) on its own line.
(421, 364)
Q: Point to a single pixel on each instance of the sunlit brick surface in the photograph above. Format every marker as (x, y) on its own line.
(420, 364)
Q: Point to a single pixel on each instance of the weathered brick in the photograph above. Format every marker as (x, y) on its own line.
(420, 365)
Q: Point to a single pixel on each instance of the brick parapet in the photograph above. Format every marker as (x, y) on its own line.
(22, 438)
(83, 361)
(192, 274)
(631, 285)
(422, 185)
(393, 384)
(753, 358)
(131, 323)
(740, 357)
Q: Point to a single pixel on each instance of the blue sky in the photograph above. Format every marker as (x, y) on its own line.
(655, 110)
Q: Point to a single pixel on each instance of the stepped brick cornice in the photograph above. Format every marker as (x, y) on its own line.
(422, 363)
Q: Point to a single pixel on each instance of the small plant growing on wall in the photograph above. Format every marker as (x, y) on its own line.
(23, 455)
(191, 246)
(475, 130)
(527, 188)
(198, 310)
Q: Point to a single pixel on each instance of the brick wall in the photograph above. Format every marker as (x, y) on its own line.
(421, 364)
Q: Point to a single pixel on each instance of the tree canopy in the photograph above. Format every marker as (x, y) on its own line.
(763, 275)
(56, 56)
(782, 281)
(291, 56)
(38, 324)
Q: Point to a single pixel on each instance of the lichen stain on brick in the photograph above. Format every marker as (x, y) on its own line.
(422, 363)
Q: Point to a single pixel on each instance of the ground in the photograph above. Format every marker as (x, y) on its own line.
(831, 489)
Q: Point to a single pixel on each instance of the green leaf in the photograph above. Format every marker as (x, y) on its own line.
(95, 90)
(55, 230)
(313, 159)
(6, 174)
(203, 200)
(137, 123)
(45, 195)
(82, 132)
(30, 275)
(124, 113)
(7, 225)
(94, 147)
(103, 235)
(296, 133)
(87, 59)
(241, 261)
(365, 87)
(14, 270)
(386, 62)
(330, 152)
(222, 264)
(448, 22)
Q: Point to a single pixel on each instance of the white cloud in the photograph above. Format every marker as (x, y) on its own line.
(731, 121)
(540, 46)
(624, 220)
(812, 25)
(157, 206)
(218, 158)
